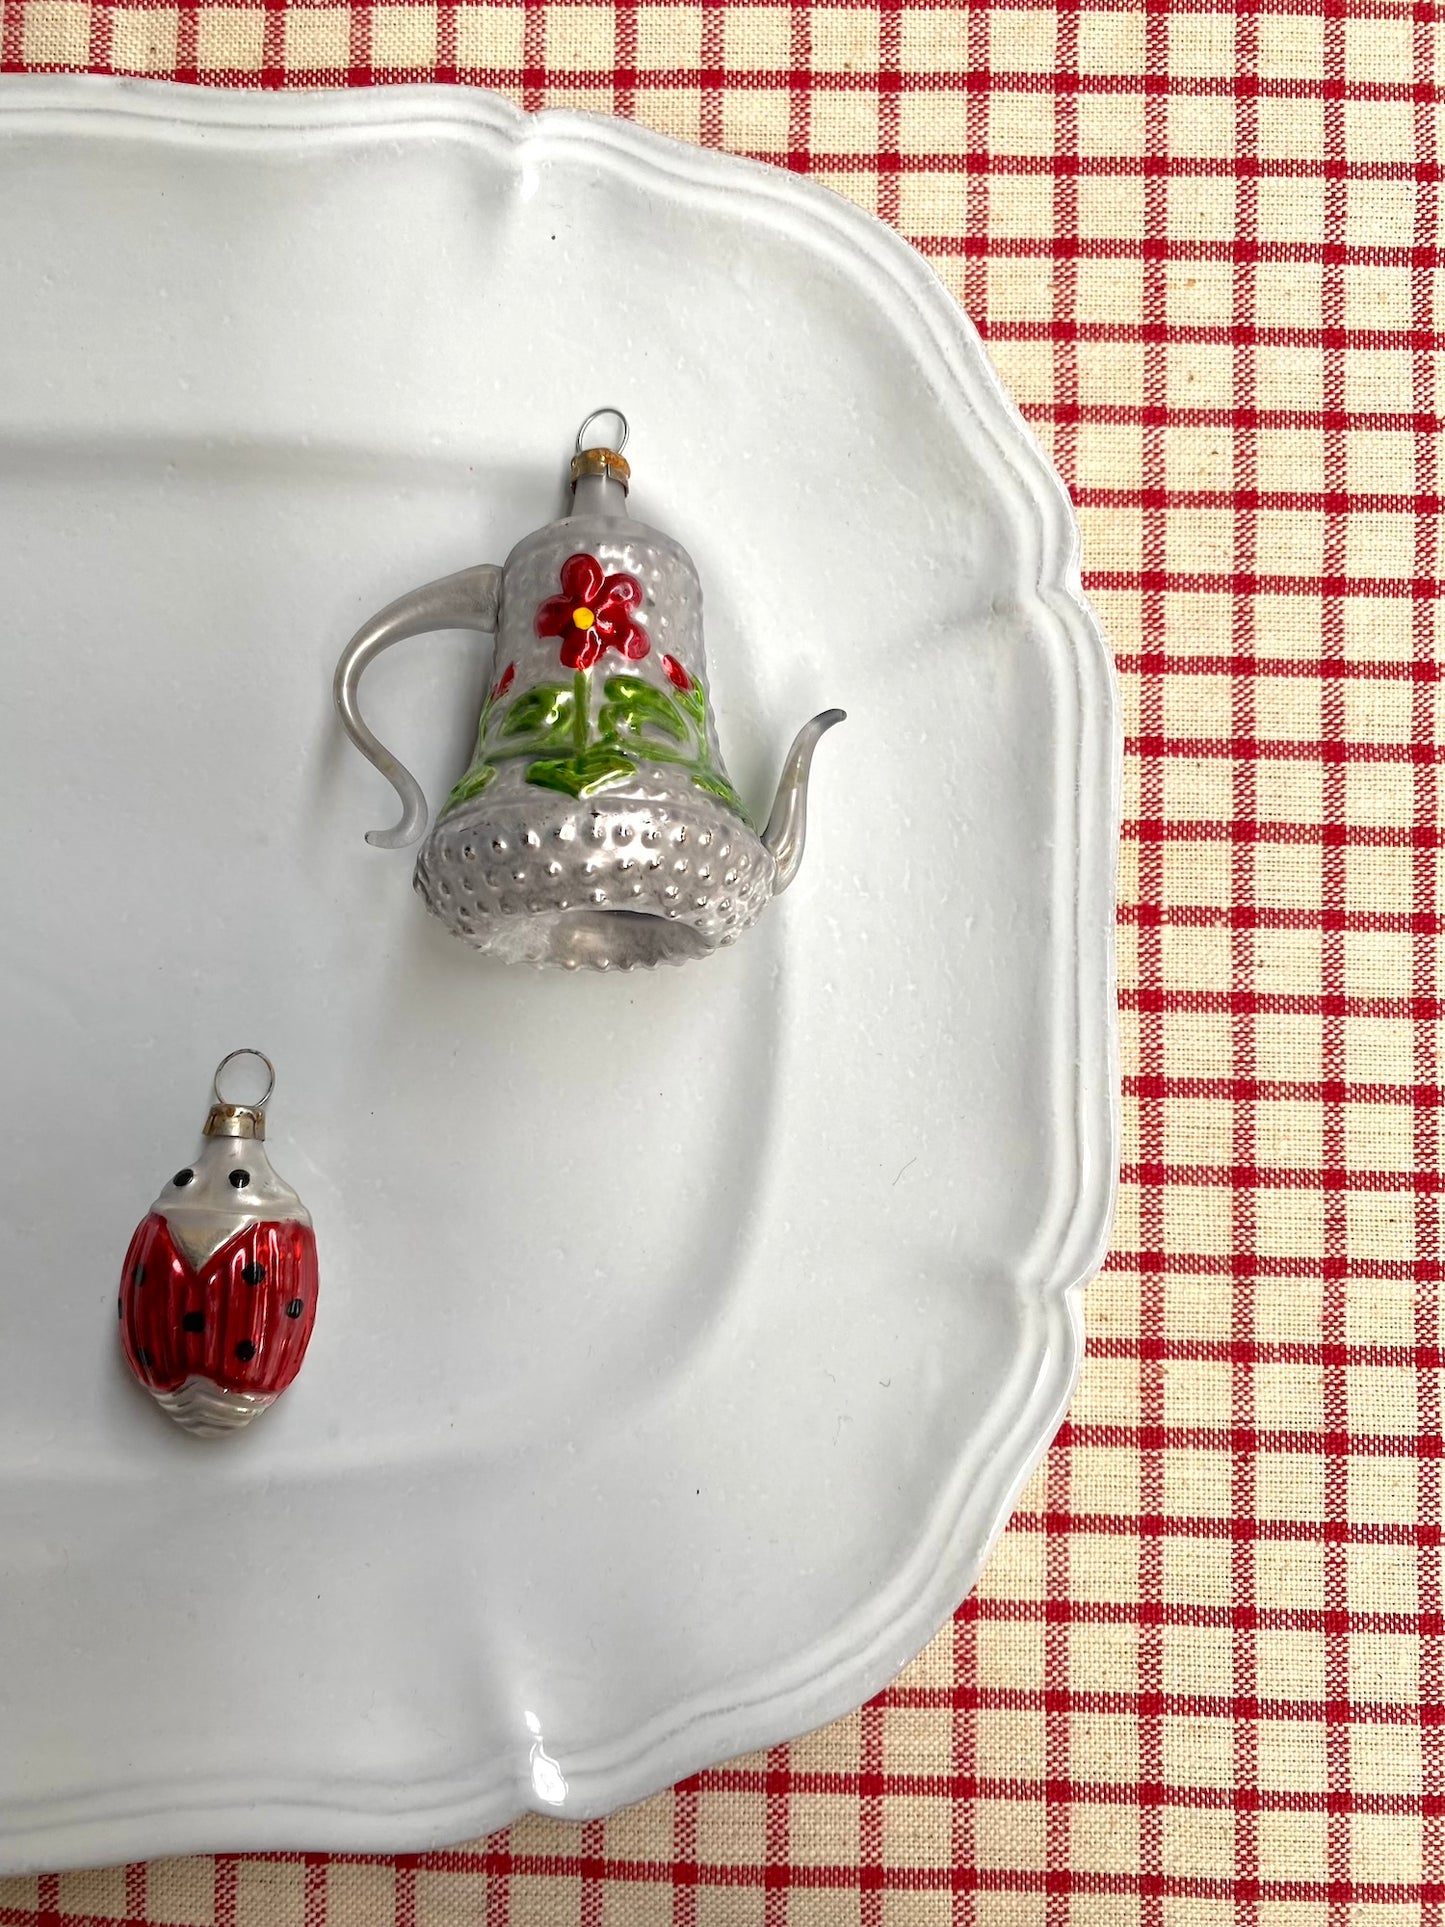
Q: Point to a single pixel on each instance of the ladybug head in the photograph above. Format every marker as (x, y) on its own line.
(230, 1183)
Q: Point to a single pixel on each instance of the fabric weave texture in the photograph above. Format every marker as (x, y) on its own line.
(1201, 1679)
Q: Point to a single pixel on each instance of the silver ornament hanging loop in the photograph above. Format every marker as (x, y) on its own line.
(616, 444)
(251, 1104)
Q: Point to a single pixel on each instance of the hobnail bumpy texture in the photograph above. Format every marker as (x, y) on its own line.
(608, 885)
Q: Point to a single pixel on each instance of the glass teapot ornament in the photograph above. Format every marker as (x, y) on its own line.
(596, 824)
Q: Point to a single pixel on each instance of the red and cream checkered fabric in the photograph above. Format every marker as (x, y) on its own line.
(1201, 1680)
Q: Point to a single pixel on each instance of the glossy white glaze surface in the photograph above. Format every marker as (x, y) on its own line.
(688, 1335)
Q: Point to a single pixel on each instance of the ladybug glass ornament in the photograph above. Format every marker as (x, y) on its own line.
(596, 824)
(218, 1293)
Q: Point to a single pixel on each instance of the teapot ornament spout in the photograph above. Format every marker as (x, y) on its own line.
(596, 824)
(787, 828)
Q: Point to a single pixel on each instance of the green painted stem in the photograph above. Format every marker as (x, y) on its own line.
(581, 711)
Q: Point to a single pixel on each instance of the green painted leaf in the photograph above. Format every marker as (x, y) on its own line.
(633, 704)
(623, 720)
(602, 767)
(545, 711)
(718, 786)
(694, 701)
(472, 784)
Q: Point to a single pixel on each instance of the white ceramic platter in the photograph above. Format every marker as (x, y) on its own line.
(684, 1337)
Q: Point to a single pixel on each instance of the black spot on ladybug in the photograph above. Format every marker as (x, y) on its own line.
(145, 1358)
(120, 1308)
(240, 1179)
(193, 1321)
(245, 1350)
(295, 1308)
(138, 1276)
(254, 1274)
(183, 1177)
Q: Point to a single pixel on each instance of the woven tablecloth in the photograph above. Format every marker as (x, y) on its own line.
(1200, 1681)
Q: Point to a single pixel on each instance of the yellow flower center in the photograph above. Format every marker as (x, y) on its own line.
(583, 618)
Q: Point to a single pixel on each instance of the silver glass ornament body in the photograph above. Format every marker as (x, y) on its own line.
(217, 1297)
(202, 1216)
(596, 825)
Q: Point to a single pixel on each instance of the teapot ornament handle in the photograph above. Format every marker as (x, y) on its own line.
(470, 599)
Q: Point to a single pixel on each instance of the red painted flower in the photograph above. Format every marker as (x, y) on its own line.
(592, 614)
(676, 674)
(503, 683)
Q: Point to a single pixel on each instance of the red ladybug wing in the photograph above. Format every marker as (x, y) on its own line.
(260, 1288)
(154, 1283)
(243, 1321)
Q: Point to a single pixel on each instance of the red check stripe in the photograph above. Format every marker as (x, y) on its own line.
(1202, 1676)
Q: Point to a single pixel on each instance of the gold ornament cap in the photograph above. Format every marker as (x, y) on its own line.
(600, 461)
(599, 458)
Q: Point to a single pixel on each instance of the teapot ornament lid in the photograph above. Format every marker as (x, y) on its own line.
(596, 824)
